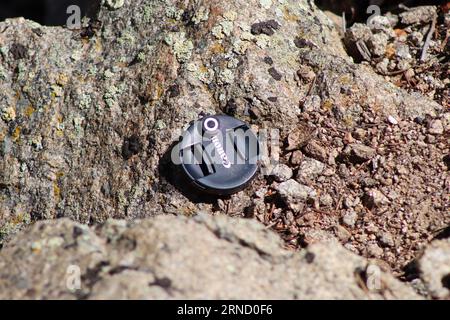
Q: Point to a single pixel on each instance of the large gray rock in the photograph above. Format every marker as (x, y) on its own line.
(434, 268)
(171, 257)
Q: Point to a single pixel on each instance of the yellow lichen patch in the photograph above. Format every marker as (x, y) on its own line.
(59, 133)
(159, 92)
(29, 111)
(82, 79)
(56, 191)
(345, 79)
(327, 104)
(348, 120)
(98, 45)
(217, 48)
(2, 135)
(172, 21)
(16, 133)
(59, 126)
(290, 16)
(59, 175)
(390, 51)
(18, 218)
(62, 80)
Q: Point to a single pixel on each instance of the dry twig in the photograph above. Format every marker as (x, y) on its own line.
(426, 45)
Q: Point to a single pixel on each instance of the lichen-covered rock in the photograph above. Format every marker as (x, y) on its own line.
(72, 100)
(178, 258)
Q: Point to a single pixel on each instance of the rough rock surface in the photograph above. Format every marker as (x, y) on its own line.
(434, 268)
(180, 258)
(88, 118)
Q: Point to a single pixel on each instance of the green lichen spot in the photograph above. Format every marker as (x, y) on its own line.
(226, 76)
(174, 13)
(126, 38)
(160, 124)
(201, 72)
(85, 101)
(92, 70)
(148, 14)
(8, 114)
(141, 56)
(181, 47)
(202, 14)
(2, 73)
(108, 74)
(111, 95)
(56, 90)
(227, 27)
(77, 55)
(217, 31)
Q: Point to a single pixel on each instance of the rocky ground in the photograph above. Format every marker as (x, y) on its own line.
(88, 118)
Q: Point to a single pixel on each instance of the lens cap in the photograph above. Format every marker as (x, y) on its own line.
(219, 154)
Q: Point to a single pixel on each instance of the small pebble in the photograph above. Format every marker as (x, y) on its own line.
(386, 239)
(350, 218)
(374, 250)
(392, 120)
(326, 200)
(436, 127)
(282, 172)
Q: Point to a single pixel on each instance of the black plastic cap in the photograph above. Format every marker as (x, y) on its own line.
(219, 154)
